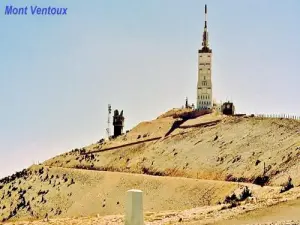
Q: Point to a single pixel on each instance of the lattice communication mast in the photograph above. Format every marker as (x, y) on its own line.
(108, 121)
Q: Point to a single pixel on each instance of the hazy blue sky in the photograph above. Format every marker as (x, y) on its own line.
(57, 74)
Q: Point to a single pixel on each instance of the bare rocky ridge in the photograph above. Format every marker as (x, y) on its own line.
(233, 149)
(193, 163)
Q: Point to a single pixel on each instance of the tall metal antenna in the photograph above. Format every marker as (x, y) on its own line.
(205, 32)
(108, 121)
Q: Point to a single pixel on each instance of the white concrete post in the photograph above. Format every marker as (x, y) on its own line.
(134, 208)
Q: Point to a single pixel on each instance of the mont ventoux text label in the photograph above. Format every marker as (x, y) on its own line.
(34, 10)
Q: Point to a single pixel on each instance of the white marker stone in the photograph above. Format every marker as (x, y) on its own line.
(134, 208)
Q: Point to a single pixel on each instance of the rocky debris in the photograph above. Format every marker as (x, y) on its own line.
(41, 170)
(287, 186)
(22, 174)
(18, 203)
(216, 137)
(257, 162)
(43, 200)
(58, 212)
(14, 189)
(82, 151)
(239, 195)
(25, 199)
(46, 218)
(101, 141)
(236, 159)
(72, 182)
(43, 192)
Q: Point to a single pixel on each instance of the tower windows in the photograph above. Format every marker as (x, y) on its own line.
(204, 72)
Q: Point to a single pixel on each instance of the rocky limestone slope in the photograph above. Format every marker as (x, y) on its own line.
(210, 147)
(40, 192)
(228, 149)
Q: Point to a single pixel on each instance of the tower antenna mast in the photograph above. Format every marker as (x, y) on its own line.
(205, 32)
(108, 121)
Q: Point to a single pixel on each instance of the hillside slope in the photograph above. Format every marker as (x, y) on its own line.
(175, 151)
(228, 148)
(60, 192)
